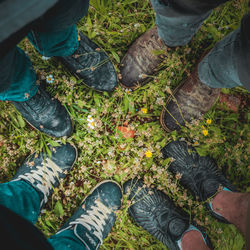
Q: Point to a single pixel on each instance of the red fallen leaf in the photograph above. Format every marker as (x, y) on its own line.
(126, 132)
(232, 102)
(1, 144)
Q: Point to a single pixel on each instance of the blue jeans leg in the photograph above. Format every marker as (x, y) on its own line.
(219, 68)
(176, 29)
(227, 64)
(21, 198)
(177, 21)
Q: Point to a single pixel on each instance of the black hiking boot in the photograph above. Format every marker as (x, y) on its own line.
(92, 65)
(46, 114)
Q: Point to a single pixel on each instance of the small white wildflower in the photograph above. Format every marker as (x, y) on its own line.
(45, 58)
(91, 125)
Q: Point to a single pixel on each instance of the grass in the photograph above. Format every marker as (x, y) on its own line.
(105, 154)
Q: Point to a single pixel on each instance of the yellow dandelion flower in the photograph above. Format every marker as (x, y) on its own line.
(205, 132)
(148, 154)
(209, 121)
(144, 110)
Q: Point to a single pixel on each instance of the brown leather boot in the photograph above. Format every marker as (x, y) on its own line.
(141, 60)
(188, 102)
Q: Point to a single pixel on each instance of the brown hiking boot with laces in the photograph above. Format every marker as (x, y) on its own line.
(141, 60)
(188, 102)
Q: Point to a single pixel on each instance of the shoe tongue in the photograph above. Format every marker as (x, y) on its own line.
(175, 226)
(87, 237)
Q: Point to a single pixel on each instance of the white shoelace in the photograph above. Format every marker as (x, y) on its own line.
(46, 175)
(95, 217)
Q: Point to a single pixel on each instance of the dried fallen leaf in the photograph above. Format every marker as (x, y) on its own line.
(126, 132)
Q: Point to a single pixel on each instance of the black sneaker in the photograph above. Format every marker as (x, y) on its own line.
(156, 213)
(96, 216)
(44, 173)
(199, 174)
(92, 65)
(46, 114)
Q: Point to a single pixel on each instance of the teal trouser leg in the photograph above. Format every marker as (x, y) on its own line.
(54, 34)
(17, 68)
(66, 240)
(17, 72)
(21, 198)
(55, 43)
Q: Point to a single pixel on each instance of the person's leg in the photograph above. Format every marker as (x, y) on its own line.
(18, 85)
(34, 181)
(93, 220)
(233, 207)
(225, 66)
(21, 198)
(18, 79)
(155, 212)
(176, 22)
(193, 240)
(86, 229)
(56, 35)
(201, 176)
